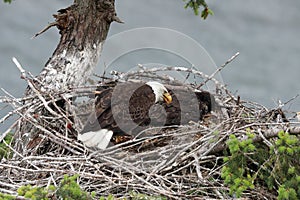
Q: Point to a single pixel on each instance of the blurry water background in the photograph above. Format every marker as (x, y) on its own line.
(266, 33)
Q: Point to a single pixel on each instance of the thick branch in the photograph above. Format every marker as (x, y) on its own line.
(83, 27)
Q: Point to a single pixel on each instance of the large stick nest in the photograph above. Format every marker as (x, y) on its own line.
(181, 162)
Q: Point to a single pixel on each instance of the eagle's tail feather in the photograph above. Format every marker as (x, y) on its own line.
(99, 139)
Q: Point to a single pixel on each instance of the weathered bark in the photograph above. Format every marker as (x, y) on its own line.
(83, 27)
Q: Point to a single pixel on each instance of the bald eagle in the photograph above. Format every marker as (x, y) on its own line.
(123, 111)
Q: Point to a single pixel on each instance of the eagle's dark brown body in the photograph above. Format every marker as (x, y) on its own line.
(128, 108)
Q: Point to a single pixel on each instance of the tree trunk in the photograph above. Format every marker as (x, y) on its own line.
(83, 28)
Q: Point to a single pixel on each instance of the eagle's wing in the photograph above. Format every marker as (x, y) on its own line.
(130, 106)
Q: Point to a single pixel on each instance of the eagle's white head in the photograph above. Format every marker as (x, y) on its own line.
(160, 91)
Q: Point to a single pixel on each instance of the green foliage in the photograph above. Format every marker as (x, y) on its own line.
(36, 193)
(7, 197)
(7, 1)
(287, 193)
(69, 189)
(235, 173)
(278, 168)
(4, 150)
(285, 165)
(196, 4)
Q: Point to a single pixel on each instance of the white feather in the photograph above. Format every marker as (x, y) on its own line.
(99, 139)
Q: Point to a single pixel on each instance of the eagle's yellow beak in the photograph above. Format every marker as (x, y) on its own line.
(167, 97)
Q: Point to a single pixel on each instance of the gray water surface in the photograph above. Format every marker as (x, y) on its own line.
(266, 33)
